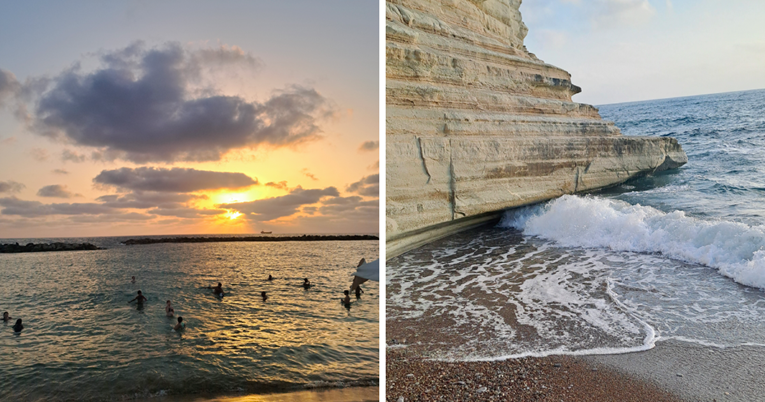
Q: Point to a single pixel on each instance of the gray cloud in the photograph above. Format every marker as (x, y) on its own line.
(60, 171)
(367, 186)
(141, 105)
(114, 217)
(15, 206)
(57, 191)
(175, 180)
(144, 200)
(369, 146)
(350, 206)
(71, 156)
(278, 207)
(11, 186)
(186, 212)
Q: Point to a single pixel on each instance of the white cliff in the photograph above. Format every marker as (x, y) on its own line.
(477, 124)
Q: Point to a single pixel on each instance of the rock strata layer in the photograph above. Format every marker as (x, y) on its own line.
(41, 247)
(476, 124)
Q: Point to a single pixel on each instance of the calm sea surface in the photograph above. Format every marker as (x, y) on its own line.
(83, 341)
(679, 255)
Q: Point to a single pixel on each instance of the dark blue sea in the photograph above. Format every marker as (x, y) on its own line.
(679, 255)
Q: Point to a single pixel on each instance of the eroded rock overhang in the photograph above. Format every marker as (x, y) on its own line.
(476, 124)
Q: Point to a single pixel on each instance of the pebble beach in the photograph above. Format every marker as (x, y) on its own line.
(410, 377)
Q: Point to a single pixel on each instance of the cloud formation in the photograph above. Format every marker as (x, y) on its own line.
(30, 209)
(142, 105)
(614, 13)
(71, 156)
(368, 186)
(56, 191)
(367, 146)
(144, 200)
(175, 180)
(11, 186)
(282, 185)
(9, 86)
(278, 207)
(60, 171)
(309, 175)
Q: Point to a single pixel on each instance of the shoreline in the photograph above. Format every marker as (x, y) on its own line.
(671, 371)
(551, 378)
(693, 371)
(349, 394)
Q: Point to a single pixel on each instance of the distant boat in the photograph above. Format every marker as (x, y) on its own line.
(264, 232)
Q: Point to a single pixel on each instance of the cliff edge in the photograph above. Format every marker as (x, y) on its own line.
(477, 124)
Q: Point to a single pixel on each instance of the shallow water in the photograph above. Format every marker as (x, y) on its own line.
(679, 255)
(83, 341)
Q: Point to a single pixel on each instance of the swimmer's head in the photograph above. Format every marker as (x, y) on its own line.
(262, 293)
(219, 285)
(346, 292)
(133, 277)
(5, 314)
(305, 280)
(180, 319)
(18, 322)
(168, 302)
(139, 292)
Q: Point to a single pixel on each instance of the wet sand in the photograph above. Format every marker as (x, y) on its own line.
(414, 375)
(695, 372)
(554, 378)
(671, 371)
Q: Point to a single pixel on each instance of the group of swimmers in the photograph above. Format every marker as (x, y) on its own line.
(218, 291)
(17, 327)
(169, 311)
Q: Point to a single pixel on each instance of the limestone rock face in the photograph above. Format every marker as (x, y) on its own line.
(477, 124)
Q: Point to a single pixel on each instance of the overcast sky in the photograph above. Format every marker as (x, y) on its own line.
(179, 117)
(630, 50)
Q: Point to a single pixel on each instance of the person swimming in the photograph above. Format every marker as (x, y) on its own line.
(180, 325)
(263, 295)
(347, 299)
(359, 291)
(217, 290)
(270, 278)
(306, 283)
(169, 309)
(18, 327)
(133, 281)
(6, 317)
(139, 299)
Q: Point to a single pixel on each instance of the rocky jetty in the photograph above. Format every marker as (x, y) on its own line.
(476, 124)
(147, 240)
(42, 247)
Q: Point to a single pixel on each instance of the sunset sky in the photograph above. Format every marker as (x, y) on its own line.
(630, 50)
(177, 117)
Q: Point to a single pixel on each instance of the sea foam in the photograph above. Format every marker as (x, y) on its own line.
(735, 249)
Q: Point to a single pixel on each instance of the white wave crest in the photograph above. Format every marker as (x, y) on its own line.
(736, 250)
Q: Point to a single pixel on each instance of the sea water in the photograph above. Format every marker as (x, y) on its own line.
(679, 255)
(83, 341)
